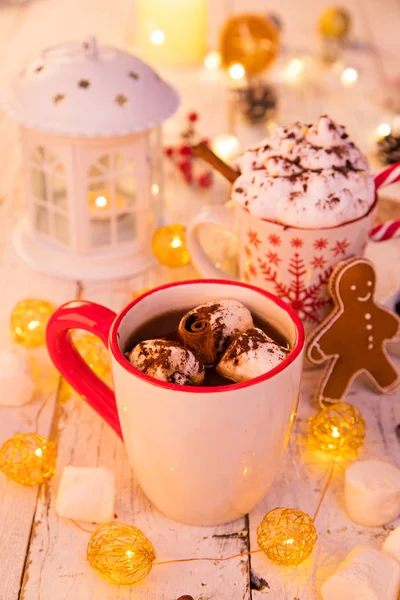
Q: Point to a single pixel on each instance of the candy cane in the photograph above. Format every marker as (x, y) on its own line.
(390, 229)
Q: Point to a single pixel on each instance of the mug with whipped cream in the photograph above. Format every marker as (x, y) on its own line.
(304, 200)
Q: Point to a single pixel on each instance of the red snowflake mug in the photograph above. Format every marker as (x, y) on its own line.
(292, 263)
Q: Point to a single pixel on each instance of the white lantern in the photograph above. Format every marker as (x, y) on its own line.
(90, 125)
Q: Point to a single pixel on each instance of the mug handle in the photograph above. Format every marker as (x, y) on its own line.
(96, 319)
(214, 215)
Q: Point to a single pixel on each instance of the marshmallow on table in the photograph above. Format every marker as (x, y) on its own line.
(17, 385)
(167, 361)
(366, 574)
(372, 492)
(86, 494)
(251, 354)
(228, 319)
(391, 545)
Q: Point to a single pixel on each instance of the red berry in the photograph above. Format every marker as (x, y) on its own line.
(205, 141)
(193, 116)
(205, 180)
(185, 150)
(168, 151)
(188, 177)
(184, 165)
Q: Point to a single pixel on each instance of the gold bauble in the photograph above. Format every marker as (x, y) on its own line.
(287, 536)
(335, 22)
(121, 553)
(338, 429)
(169, 246)
(93, 352)
(251, 41)
(28, 458)
(29, 320)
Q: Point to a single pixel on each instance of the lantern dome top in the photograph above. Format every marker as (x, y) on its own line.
(82, 89)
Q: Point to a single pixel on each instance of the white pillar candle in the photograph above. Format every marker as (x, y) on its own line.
(172, 32)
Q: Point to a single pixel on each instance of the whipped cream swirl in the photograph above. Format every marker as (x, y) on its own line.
(306, 176)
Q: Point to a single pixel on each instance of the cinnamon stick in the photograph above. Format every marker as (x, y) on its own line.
(212, 159)
(197, 334)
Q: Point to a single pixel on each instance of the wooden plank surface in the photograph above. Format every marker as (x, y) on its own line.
(54, 566)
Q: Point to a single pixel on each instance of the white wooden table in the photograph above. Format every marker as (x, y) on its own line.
(42, 557)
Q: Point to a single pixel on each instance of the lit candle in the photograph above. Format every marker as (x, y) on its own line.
(172, 32)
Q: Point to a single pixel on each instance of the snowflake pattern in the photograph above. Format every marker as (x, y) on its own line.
(247, 250)
(321, 244)
(296, 242)
(252, 270)
(309, 301)
(318, 262)
(273, 258)
(274, 239)
(254, 240)
(340, 247)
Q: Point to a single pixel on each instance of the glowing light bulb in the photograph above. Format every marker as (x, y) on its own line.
(176, 242)
(383, 130)
(294, 70)
(212, 60)
(38, 452)
(101, 201)
(335, 432)
(236, 71)
(32, 325)
(157, 37)
(349, 77)
(155, 189)
(225, 146)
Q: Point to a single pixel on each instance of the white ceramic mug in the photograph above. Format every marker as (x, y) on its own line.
(293, 263)
(202, 455)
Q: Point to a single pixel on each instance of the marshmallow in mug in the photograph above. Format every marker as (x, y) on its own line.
(167, 361)
(228, 319)
(250, 355)
(308, 176)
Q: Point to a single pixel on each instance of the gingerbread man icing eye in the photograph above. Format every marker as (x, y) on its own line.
(353, 287)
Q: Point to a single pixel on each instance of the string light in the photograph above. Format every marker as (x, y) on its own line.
(349, 77)
(226, 146)
(338, 430)
(28, 458)
(236, 71)
(93, 352)
(287, 536)
(157, 37)
(294, 70)
(29, 320)
(169, 246)
(121, 553)
(155, 189)
(212, 60)
(383, 130)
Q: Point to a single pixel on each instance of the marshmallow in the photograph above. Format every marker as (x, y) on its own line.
(86, 494)
(17, 385)
(167, 361)
(366, 574)
(391, 545)
(228, 319)
(251, 354)
(372, 492)
(305, 176)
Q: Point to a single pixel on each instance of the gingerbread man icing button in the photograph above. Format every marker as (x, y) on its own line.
(352, 337)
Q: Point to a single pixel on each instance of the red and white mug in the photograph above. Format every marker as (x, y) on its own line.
(202, 455)
(293, 263)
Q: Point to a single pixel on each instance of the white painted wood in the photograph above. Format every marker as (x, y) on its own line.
(55, 565)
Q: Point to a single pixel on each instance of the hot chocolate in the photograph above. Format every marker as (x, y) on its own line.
(176, 347)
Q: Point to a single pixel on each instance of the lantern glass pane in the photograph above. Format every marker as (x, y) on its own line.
(61, 228)
(125, 189)
(104, 161)
(124, 163)
(126, 227)
(59, 188)
(41, 219)
(95, 171)
(101, 232)
(38, 182)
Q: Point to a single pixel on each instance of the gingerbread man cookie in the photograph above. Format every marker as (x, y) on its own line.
(352, 338)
